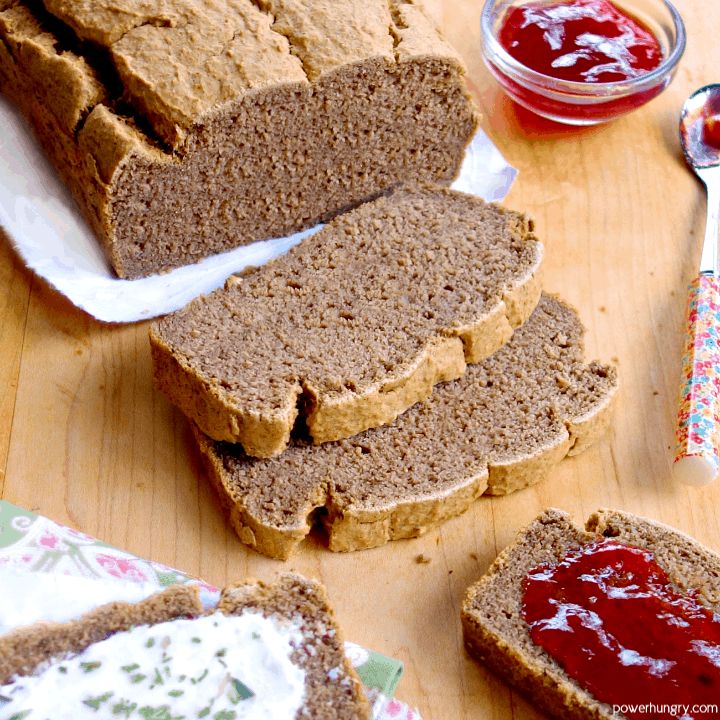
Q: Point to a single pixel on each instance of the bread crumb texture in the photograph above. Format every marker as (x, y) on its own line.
(185, 128)
(496, 634)
(500, 428)
(355, 324)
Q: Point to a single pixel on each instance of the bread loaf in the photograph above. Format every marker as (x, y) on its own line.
(188, 127)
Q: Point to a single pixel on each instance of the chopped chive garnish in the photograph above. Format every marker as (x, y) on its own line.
(200, 678)
(240, 691)
(159, 713)
(96, 702)
(124, 707)
(130, 668)
(157, 680)
(90, 666)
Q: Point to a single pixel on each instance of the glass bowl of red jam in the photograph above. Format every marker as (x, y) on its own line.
(582, 62)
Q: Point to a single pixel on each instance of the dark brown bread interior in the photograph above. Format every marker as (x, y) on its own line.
(496, 634)
(290, 598)
(501, 427)
(355, 324)
(185, 128)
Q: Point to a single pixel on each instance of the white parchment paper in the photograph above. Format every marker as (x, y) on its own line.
(50, 235)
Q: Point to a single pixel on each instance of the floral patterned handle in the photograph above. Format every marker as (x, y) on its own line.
(697, 457)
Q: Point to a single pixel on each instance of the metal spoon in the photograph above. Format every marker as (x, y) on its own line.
(697, 457)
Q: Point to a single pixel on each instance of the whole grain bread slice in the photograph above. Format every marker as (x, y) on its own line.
(498, 429)
(496, 633)
(332, 688)
(355, 324)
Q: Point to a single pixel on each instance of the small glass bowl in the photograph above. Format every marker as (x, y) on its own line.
(579, 103)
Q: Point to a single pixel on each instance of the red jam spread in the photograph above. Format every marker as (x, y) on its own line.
(609, 616)
(587, 41)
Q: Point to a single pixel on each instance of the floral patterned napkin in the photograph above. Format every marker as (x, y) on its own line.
(34, 543)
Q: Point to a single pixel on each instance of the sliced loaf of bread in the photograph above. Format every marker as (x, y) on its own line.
(500, 428)
(184, 128)
(355, 324)
(496, 633)
(276, 647)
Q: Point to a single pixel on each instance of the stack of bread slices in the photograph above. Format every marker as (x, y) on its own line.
(382, 375)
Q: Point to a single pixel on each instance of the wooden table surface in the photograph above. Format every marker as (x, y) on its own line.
(87, 441)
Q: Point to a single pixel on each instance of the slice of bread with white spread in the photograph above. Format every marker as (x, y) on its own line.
(268, 650)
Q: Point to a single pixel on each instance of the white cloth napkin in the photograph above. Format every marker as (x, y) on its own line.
(50, 235)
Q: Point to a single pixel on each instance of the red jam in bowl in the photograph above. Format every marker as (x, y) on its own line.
(579, 61)
(582, 41)
(610, 618)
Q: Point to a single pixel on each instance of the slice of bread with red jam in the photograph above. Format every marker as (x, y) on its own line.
(497, 632)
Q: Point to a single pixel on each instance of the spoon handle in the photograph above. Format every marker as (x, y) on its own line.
(697, 458)
(709, 258)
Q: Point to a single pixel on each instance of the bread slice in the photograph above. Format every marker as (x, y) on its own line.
(185, 128)
(354, 325)
(498, 429)
(496, 633)
(332, 689)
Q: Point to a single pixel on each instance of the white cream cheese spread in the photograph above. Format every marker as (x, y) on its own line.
(218, 667)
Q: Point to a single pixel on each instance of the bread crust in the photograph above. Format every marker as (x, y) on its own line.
(496, 634)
